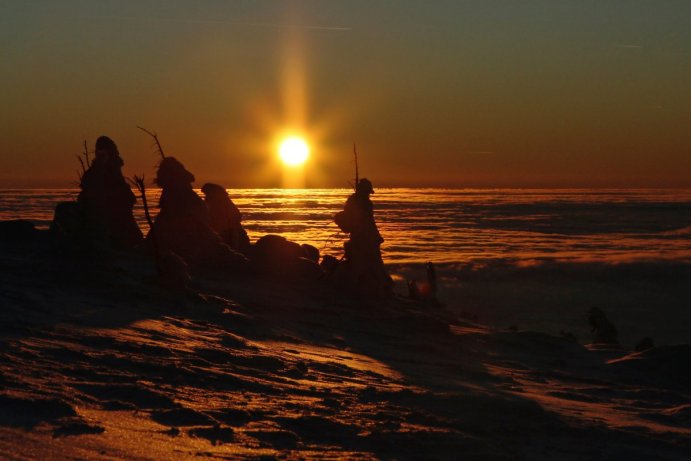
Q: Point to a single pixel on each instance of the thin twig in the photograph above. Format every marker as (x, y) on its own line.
(140, 184)
(86, 155)
(155, 136)
(357, 171)
(81, 162)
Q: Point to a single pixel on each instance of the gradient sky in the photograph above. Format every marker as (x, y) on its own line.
(486, 93)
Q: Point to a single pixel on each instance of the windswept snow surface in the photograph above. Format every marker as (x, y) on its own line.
(100, 362)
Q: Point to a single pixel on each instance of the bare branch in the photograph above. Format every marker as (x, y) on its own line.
(140, 184)
(81, 162)
(357, 171)
(155, 136)
(86, 155)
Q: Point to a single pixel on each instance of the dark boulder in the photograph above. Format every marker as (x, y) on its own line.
(310, 252)
(18, 230)
(274, 255)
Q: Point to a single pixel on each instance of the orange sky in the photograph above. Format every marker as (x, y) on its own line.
(447, 93)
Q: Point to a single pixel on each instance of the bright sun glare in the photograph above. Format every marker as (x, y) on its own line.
(294, 151)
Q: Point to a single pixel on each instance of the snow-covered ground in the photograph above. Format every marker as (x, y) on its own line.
(99, 362)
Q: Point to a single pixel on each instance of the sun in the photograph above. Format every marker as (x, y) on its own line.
(294, 151)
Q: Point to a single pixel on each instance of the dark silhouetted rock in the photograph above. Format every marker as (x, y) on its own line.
(277, 256)
(276, 248)
(310, 252)
(604, 332)
(225, 218)
(329, 264)
(18, 230)
(68, 221)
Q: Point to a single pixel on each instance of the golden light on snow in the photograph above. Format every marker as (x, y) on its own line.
(294, 151)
